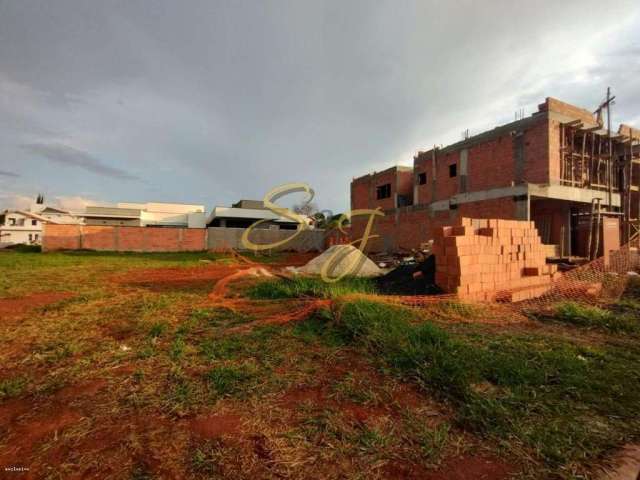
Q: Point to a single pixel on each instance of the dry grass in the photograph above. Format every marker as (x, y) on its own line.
(150, 379)
(123, 366)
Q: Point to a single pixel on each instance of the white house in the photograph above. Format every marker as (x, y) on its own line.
(21, 227)
(25, 226)
(244, 213)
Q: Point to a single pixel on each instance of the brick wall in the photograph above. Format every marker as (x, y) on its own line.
(554, 105)
(123, 239)
(363, 189)
(406, 228)
(492, 163)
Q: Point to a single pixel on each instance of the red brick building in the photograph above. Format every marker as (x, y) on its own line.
(549, 168)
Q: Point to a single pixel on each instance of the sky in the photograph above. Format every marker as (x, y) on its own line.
(208, 102)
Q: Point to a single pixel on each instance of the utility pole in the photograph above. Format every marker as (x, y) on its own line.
(610, 190)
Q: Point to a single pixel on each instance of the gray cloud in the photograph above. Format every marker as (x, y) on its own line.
(66, 155)
(216, 100)
(4, 173)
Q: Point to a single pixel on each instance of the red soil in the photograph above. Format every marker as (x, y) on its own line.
(175, 276)
(296, 396)
(214, 426)
(15, 307)
(24, 434)
(477, 467)
(469, 467)
(86, 389)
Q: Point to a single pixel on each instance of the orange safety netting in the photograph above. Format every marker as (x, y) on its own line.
(599, 281)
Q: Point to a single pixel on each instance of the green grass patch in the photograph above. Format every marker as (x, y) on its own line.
(564, 402)
(220, 317)
(266, 345)
(12, 387)
(158, 329)
(208, 457)
(177, 349)
(231, 380)
(432, 440)
(310, 287)
(624, 320)
(317, 327)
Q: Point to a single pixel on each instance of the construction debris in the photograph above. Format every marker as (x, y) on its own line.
(411, 279)
(340, 260)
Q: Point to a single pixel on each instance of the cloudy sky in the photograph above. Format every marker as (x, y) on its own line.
(212, 101)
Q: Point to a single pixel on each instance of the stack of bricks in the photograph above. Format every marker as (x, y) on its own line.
(492, 260)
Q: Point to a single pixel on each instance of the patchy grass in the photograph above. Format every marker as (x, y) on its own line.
(220, 317)
(431, 440)
(623, 318)
(12, 387)
(453, 309)
(358, 390)
(208, 457)
(231, 380)
(309, 287)
(561, 401)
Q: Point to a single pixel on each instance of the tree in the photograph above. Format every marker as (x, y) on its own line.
(308, 209)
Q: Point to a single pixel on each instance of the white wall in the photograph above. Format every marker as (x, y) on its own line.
(176, 214)
(20, 228)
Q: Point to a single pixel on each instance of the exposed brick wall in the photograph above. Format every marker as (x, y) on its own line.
(60, 237)
(554, 105)
(404, 183)
(503, 207)
(554, 151)
(360, 193)
(491, 163)
(446, 186)
(123, 239)
(407, 228)
(363, 189)
(97, 237)
(539, 147)
(423, 163)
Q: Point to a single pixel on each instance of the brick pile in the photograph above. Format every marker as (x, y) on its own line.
(492, 260)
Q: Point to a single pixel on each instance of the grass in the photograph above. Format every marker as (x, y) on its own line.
(561, 401)
(352, 389)
(231, 380)
(432, 441)
(12, 387)
(207, 458)
(589, 316)
(309, 287)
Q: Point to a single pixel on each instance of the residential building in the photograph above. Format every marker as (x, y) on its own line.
(21, 227)
(152, 214)
(25, 226)
(244, 213)
(555, 167)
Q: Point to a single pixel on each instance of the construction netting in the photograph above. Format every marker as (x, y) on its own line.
(599, 282)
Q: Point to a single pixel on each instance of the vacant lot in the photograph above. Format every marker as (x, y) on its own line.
(151, 366)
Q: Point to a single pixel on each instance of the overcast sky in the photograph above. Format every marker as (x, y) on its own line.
(209, 102)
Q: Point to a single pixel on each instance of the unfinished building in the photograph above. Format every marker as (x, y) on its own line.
(562, 168)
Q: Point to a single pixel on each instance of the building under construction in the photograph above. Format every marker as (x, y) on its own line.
(563, 167)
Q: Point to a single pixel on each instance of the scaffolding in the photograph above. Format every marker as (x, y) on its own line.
(594, 158)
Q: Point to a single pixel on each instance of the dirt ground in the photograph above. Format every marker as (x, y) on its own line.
(102, 377)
